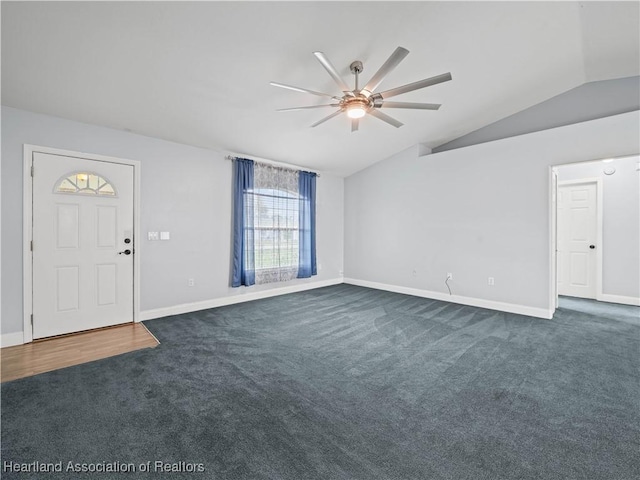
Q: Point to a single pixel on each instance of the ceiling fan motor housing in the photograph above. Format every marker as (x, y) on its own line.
(357, 102)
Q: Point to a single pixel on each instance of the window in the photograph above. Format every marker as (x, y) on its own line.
(85, 183)
(276, 226)
(275, 222)
(273, 226)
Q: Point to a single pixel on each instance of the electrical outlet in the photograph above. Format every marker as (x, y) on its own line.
(449, 276)
(191, 282)
(491, 281)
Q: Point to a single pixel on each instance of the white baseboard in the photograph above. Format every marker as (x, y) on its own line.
(11, 339)
(606, 297)
(246, 296)
(473, 302)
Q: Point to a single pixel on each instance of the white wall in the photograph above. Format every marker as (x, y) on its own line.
(185, 190)
(621, 221)
(477, 212)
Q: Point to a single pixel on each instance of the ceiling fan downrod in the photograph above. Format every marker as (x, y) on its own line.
(356, 68)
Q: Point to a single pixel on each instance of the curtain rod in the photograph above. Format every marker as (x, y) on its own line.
(277, 164)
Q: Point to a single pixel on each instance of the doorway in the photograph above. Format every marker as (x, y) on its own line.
(608, 252)
(81, 264)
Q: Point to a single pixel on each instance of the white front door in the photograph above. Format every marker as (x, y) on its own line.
(577, 234)
(82, 244)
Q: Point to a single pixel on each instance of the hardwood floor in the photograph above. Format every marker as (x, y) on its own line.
(64, 351)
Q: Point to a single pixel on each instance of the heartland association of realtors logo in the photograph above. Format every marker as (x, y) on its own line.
(155, 466)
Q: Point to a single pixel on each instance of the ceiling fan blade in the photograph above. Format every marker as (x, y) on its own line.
(420, 106)
(355, 123)
(305, 108)
(385, 118)
(334, 114)
(427, 82)
(303, 90)
(392, 62)
(332, 71)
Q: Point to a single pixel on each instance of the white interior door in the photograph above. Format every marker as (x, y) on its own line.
(577, 234)
(82, 244)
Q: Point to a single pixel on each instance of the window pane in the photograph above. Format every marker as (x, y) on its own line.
(93, 182)
(106, 189)
(66, 186)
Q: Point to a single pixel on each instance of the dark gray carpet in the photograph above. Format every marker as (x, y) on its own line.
(346, 382)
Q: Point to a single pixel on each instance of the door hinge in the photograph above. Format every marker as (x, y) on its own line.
(32, 245)
(32, 319)
(32, 170)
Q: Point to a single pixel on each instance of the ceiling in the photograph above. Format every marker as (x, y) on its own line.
(198, 72)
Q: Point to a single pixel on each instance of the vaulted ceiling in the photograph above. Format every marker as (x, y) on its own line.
(198, 72)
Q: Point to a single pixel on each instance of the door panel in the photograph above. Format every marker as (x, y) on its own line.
(82, 210)
(67, 228)
(107, 226)
(577, 232)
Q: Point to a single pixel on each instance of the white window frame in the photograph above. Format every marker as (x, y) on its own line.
(291, 229)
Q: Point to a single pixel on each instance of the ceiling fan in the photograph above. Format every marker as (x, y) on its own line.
(362, 101)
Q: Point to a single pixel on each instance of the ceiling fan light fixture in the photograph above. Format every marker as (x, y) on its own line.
(356, 111)
(356, 106)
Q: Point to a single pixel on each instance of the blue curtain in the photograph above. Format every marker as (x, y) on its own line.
(243, 228)
(307, 224)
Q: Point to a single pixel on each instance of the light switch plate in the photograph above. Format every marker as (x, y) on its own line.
(165, 236)
(153, 235)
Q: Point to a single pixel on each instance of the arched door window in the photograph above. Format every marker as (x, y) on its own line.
(85, 183)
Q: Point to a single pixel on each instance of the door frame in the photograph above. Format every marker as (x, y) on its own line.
(554, 233)
(27, 227)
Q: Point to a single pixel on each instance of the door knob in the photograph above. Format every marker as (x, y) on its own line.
(126, 252)
(592, 247)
